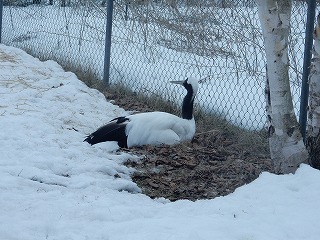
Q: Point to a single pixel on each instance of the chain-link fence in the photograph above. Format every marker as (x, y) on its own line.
(153, 42)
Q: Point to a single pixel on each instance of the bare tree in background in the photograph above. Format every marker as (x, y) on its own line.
(286, 144)
(313, 134)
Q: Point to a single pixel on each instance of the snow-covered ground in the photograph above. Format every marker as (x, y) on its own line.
(54, 186)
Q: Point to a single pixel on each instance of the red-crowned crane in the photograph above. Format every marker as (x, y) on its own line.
(152, 128)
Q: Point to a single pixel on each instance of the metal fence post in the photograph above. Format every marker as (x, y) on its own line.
(306, 67)
(107, 50)
(126, 12)
(1, 16)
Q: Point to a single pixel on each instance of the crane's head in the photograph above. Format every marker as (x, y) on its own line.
(191, 84)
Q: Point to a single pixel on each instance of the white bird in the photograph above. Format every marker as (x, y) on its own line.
(152, 128)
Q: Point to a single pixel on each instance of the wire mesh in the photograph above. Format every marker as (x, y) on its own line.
(154, 42)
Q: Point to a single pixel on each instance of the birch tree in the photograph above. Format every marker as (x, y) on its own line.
(286, 144)
(313, 134)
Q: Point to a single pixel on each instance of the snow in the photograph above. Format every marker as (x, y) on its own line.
(54, 186)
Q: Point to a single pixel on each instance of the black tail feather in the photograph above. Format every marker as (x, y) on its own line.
(89, 139)
(113, 131)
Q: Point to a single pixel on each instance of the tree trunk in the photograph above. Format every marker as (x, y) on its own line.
(286, 144)
(313, 134)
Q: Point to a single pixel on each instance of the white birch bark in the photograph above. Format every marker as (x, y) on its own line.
(286, 144)
(313, 133)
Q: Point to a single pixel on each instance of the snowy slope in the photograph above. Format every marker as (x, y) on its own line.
(54, 186)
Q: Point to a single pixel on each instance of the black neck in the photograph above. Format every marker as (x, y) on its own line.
(187, 106)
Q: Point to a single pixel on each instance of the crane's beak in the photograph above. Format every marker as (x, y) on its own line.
(177, 82)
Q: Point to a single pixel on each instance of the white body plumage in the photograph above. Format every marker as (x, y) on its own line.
(157, 128)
